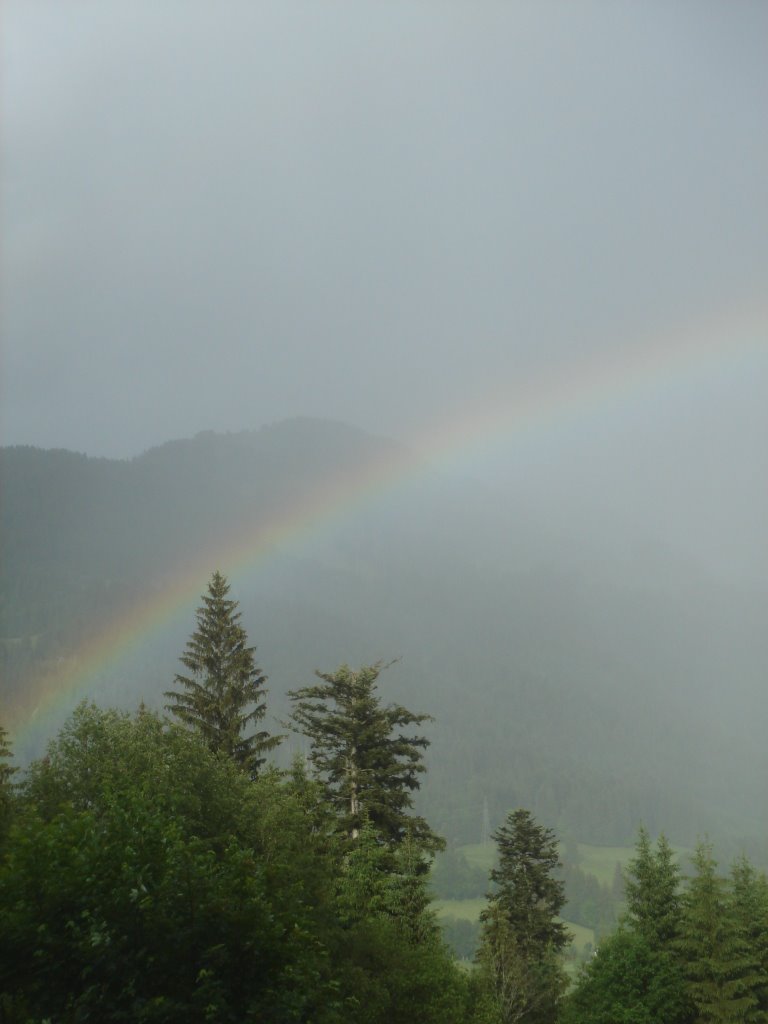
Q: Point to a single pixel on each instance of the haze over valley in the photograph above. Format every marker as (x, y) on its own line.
(432, 341)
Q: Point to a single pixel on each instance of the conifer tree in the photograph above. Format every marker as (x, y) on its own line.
(720, 969)
(225, 692)
(370, 767)
(522, 936)
(749, 900)
(527, 891)
(652, 891)
(627, 982)
(7, 772)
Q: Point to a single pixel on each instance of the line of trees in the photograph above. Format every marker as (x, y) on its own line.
(684, 954)
(158, 870)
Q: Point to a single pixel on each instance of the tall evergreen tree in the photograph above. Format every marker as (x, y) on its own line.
(749, 900)
(527, 891)
(628, 982)
(225, 692)
(370, 767)
(7, 772)
(652, 891)
(522, 936)
(720, 969)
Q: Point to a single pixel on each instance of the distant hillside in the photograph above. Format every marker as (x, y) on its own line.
(596, 697)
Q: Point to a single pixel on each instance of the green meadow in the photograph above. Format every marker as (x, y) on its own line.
(469, 910)
(599, 861)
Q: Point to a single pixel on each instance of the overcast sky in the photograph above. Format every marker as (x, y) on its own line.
(217, 215)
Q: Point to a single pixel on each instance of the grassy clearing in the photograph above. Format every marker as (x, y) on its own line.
(469, 910)
(596, 860)
(601, 861)
(480, 855)
(581, 937)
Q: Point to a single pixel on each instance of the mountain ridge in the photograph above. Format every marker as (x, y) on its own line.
(570, 673)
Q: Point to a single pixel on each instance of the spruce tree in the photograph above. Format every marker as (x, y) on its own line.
(720, 968)
(225, 692)
(749, 901)
(522, 936)
(652, 891)
(369, 766)
(7, 772)
(527, 891)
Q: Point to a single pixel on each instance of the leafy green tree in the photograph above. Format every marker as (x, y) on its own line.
(652, 891)
(720, 969)
(628, 981)
(369, 765)
(225, 692)
(522, 937)
(150, 880)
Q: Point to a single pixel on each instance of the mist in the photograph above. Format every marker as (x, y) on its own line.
(414, 220)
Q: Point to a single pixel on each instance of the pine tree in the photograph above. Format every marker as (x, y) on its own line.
(522, 936)
(652, 891)
(749, 900)
(369, 766)
(516, 986)
(7, 772)
(720, 969)
(225, 692)
(627, 982)
(527, 892)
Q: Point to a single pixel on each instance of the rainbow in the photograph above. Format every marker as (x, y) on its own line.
(603, 382)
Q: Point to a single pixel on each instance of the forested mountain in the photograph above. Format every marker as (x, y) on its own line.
(598, 687)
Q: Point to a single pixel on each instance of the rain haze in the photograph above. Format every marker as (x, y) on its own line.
(219, 216)
(440, 330)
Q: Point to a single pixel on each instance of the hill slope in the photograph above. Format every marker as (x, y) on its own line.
(593, 695)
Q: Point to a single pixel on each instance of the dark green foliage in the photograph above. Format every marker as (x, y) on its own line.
(651, 887)
(147, 880)
(522, 937)
(590, 903)
(749, 901)
(224, 694)
(454, 878)
(388, 980)
(461, 934)
(527, 891)
(520, 984)
(628, 981)
(395, 964)
(720, 967)
(7, 772)
(370, 766)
